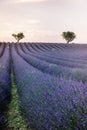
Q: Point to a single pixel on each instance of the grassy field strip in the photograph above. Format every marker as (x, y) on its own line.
(15, 120)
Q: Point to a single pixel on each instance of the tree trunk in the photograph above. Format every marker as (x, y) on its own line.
(67, 42)
(18, 41)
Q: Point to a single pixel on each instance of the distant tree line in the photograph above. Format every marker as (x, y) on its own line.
(68, 36)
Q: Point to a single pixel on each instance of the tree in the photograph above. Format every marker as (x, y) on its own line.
(18, 36)
(68, 36)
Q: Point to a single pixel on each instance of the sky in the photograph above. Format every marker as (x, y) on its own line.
(43, 20)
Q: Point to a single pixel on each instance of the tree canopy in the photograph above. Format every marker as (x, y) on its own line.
(68, 36)
(18, 36)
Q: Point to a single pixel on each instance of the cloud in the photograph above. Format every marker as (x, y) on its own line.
(24, 1)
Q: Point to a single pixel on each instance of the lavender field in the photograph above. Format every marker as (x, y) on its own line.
(51, 82)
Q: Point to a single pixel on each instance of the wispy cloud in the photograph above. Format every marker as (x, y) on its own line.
(24, 1)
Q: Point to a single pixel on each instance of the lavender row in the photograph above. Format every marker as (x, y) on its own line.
(56, 70)
(68, 52)
(5, 86)
(2, 48)
(59, 61)
(48, 102)
(43, 66)
(63, 60)
(60, 55)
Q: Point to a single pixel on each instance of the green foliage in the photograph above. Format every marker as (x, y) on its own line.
(68, 36)
(18, 36)
(16, 121)
(73, 120)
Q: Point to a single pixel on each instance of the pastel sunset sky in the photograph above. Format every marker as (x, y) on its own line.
(43, 20)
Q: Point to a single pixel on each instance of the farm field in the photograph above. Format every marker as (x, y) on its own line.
(48, 83)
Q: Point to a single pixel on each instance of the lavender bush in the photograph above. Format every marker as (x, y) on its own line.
(5, 88)
(60, 59)
(54, 69)
(49, 103)
(2, 48)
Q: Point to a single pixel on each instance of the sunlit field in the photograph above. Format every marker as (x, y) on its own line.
(43, 86)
